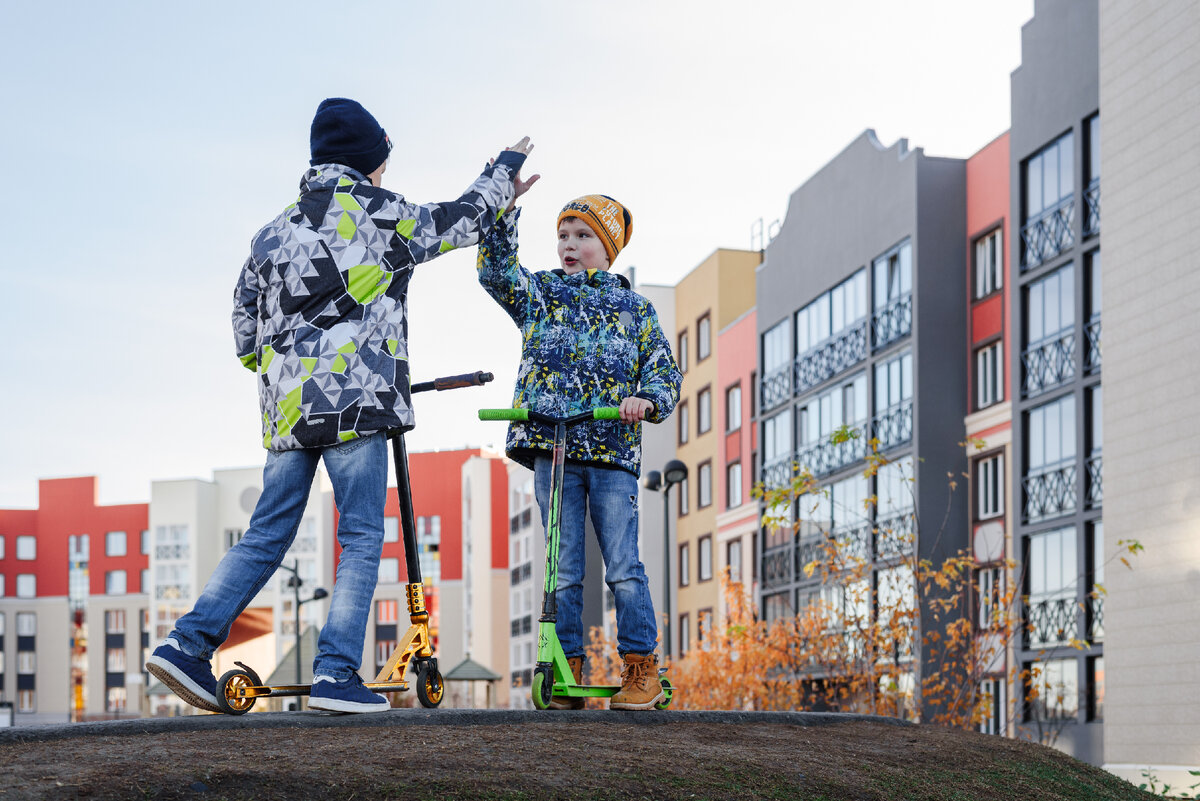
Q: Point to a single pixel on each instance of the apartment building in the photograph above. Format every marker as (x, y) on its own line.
(73, 597)
(527, 574)
(989, 421)
(860, 309)
(715, 293)
(1057, 433)
(1149, 74)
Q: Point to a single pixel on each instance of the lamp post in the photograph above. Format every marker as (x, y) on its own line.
(675, 472)
(294, 581)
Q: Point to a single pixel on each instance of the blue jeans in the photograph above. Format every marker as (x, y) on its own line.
(358, 471)
(610, 493)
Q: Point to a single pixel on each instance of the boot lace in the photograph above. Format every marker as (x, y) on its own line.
(636, 673)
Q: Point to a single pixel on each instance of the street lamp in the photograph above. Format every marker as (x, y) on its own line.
(675, 472)
(294, 581)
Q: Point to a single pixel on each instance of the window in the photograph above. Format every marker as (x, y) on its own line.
(776, 364)
(704, 571)
(78, 547)
(26, 701)
(114, 543)
(1052, 581)
(389, 571)
(893, 382)
(26, 662)
(703, 337)
(705, 485)
(683, 352)
(391, 529)
(989, 375)
(1049, 176)
(990, 497)
(733, 485)
(1051, 433)
(144, 542)
(733, 411)
(383, 651)
(1, 585)
(1050, 307)
(704, 620)
(26, 548)
(685, 575)
(1054, 690)
(1095, 686)
(989, 593)
(704, 408)
(995, 719)
(114, 660)
(823, 414)
(115, 699)
(144, 578)
(683, 497)
(114, 582)
(777, 438)
(681, 411)
(385, 612)
(26, 624)
(1, 547)
(893, 276)
(989, 264)
(114, 621)
(1092, 132)
(26, 585)
(841, 308)
(685, 633)
(733, 558)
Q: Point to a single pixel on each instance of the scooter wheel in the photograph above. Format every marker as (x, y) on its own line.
(667, 693)
(543, 690)
(430, 687)
(228, 699)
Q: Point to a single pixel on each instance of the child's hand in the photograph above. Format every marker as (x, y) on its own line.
(521, 187)
(634, 409)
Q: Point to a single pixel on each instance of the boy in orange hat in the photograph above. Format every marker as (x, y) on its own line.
(589, 340)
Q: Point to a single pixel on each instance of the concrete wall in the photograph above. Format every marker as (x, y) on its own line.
(1150, 102)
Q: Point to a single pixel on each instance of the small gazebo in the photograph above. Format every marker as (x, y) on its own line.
(469, 670)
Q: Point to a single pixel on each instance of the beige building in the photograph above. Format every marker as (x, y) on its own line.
(1149, 75)
(708, 299)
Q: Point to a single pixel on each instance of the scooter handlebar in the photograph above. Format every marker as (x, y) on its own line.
(599, 413)
(475, 379)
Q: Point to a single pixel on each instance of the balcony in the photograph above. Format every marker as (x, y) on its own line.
(831, 357)
(826, 456)
(1049, 492)
(1093, 345)
(777, 566)
(1091, 202)
(1095, 486)
(894, 426)
(892, 322)
(895, 536)
(1048, 234)
(1051, 621)
(1095, 610)
(854, 542)
(1048, 364)
(776, 387)
(777, 474)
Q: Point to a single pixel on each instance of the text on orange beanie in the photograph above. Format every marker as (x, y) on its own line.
(611, 221)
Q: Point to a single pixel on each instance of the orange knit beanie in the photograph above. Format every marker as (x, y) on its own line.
(611, 221)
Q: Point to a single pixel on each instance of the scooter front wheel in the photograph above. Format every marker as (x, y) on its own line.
(668, 691)
(543, 690)
(430, 687)
(227, 692)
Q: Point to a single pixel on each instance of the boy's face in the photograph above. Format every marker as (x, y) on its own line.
(579, 248)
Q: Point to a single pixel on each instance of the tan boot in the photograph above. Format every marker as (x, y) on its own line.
(567, 701)
(640, 688)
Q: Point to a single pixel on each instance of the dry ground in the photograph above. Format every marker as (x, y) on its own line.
(546, 756)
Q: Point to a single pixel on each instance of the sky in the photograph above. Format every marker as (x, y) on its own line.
(147, 142)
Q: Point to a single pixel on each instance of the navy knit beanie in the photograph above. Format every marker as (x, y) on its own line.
(343, 132)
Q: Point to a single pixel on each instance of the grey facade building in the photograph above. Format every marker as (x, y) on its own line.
(1056, 368)
(861, 321)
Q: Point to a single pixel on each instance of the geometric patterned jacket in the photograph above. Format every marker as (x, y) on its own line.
(586, 340)
(320, 309)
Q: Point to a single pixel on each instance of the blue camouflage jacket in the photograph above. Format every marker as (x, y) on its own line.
(587, 340)
(321, 306)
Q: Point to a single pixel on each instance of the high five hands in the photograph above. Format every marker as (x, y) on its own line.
(520, 186)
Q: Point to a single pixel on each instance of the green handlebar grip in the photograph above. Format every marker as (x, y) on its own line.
(607, 413)
(503, 414)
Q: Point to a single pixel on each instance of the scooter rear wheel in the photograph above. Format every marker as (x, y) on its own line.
(543, 690)
(667, 693)
(430, 687)
(227, 698)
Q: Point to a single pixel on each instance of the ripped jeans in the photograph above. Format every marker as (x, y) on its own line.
(610, 494)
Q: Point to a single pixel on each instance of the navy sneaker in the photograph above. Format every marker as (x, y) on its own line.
(345, 696)
(188, 677)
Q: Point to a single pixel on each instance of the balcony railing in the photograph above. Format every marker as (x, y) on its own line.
(778, 473)
(1051, 621)
(777, 566)
(892, 322)
(1048, 234)
(893, 426)
(1095, 486)
(895, 536)
(1048, 363)
(1093, 345)
(1095, 609)
(776, 387)
(1091, 201)
(831, 357)
(827, 457)
(854, 542)
(1050, 492)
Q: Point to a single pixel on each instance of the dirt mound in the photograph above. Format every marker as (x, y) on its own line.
(456, 754)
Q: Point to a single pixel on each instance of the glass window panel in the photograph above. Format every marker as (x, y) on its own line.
(905, 268)
(1033, 186)
(1050, 193)
(803, 342)
(1066, 165)
(838, 300)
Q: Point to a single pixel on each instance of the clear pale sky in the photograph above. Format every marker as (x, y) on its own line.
(147, 142)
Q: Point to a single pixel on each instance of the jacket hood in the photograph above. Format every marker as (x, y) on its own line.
(322, 176)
